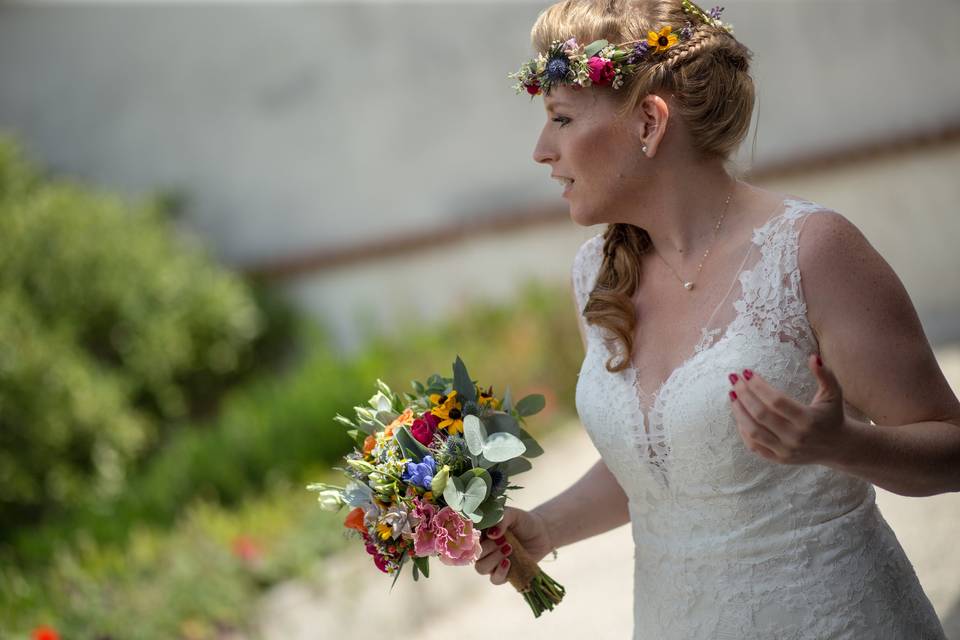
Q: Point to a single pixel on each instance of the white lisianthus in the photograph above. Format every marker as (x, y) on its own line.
(330, 500)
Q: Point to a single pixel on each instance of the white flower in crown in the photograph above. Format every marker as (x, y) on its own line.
(541, 63)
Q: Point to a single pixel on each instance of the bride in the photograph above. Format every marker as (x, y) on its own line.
(743, 414)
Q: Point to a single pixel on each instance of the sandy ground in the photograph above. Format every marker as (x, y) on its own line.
(597, 573)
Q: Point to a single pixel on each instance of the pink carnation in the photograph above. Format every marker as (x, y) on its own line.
(601, 71)
(424, 540)
(455, 539)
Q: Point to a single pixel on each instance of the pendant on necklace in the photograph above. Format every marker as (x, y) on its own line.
(688, 286)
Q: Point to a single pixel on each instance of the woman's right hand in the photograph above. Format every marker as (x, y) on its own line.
(530, 530)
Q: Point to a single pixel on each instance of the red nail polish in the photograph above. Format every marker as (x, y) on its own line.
(504, 563)
(733, 378)
(747, 374)
(506, 549)
(819, 362)
(493, 532)
(733, 396)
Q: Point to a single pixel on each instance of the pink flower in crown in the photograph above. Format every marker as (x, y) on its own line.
(570, 45)
(424, 538)
(455, 539)
(601, 70)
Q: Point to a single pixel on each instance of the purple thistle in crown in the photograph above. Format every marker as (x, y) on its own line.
(640, 50)
(686, 31)
(715, 12)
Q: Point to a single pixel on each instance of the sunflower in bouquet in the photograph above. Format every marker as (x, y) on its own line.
(431, 470)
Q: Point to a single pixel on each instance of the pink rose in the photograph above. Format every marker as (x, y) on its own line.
(422, 430)
(455, 539)
(601, 71)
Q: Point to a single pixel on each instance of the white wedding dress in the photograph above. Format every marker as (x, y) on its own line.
(729, 545)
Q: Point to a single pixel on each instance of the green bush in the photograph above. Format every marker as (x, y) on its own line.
(113, 329)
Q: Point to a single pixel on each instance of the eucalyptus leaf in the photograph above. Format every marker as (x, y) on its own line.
(474, 433)
(411, 447)
(475, 494)
(533, 448)
(500, 447)
(462, 382)
(594, 47)
(504, 422)
(515, 466)
(492, 512)
(507, 403)
(531, 404)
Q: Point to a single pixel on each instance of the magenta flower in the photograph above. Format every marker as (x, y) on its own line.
(423, 429)
(601, 71)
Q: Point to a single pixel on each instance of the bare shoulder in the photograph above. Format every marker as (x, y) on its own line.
(836, 258)
(866, 325)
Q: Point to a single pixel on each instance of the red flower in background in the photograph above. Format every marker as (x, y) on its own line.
(246, 548)
(45, 633)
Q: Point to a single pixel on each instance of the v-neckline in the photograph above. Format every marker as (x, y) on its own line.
(705, 332)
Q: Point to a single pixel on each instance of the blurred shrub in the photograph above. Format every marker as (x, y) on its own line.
(200, 580)
(113, 328)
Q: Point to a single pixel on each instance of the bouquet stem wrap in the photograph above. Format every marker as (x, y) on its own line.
(539, 590)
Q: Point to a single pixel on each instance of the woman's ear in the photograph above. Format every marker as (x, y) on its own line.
(653, 114)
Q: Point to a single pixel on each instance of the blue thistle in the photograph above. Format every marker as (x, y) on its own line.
(557, 69)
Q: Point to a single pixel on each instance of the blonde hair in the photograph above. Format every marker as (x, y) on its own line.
(713, 94)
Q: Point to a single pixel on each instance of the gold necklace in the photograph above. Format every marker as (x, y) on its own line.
(688, 285)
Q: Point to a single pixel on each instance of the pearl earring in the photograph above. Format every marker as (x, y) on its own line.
(644, 147)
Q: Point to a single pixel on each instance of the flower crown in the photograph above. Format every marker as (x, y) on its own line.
(602, 63)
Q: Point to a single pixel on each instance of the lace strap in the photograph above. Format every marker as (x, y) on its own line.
(772, 303)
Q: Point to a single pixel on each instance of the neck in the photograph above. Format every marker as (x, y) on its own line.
(683, 209)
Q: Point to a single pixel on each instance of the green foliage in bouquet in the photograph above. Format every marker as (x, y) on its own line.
(418, 489)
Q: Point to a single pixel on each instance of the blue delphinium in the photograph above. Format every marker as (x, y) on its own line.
(420, 473)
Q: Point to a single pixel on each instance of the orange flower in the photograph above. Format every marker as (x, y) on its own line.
(355, 520)
(661, 41)
(404, 419)
(368, 444)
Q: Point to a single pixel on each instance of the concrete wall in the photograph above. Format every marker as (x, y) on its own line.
(294, 127)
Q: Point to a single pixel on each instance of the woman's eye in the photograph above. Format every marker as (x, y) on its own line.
(561, 119)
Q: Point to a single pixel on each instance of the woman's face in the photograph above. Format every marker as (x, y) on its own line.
(584, 139)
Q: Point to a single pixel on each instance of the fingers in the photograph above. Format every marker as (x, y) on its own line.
(780, 404)
(829, 385)
(757, 437)
(494, 552)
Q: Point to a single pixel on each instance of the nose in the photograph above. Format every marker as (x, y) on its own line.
(544, 151)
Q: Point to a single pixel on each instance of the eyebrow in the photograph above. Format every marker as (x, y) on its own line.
(557, 103)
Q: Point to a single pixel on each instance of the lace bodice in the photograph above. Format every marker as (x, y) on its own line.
(729, 544)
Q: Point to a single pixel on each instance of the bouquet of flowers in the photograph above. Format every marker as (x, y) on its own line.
(430, 470)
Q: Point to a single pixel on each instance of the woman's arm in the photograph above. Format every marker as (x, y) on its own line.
(871, 337)
(594, 504)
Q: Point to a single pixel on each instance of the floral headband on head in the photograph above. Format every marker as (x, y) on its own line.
(602, 63)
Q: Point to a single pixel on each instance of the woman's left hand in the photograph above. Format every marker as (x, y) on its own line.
(783, 430)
